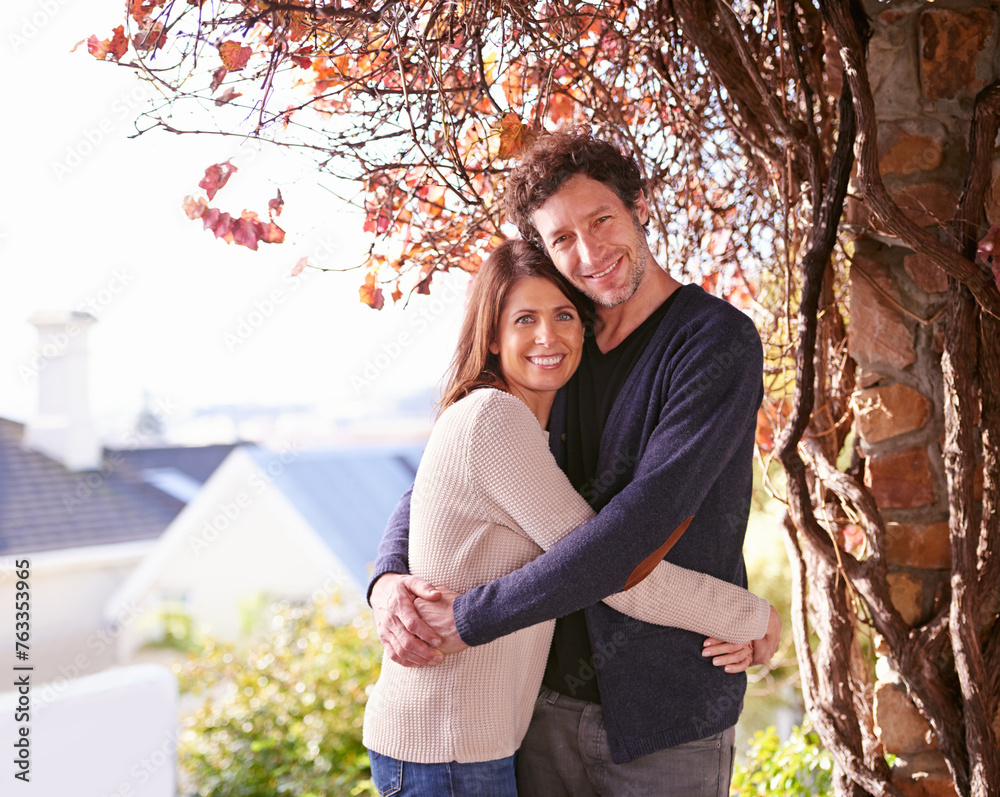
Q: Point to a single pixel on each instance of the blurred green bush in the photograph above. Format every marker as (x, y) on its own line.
(800, 766)
(281, 715)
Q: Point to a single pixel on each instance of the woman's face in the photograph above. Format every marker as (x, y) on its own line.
(539, 341)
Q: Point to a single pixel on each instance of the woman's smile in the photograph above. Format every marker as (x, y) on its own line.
(539, 341)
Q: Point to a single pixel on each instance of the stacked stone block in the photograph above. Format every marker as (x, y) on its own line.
(927, 62)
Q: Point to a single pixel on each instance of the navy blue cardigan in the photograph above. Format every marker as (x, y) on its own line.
(678, 443)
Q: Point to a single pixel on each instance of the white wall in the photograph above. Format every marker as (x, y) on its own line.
(113, 734)
(238, 540)
(69, 592)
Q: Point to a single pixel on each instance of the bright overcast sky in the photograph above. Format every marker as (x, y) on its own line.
(89, 218)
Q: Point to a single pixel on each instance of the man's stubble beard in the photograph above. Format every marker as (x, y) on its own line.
(641, 248)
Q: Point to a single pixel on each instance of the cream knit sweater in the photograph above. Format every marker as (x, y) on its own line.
(488, 498)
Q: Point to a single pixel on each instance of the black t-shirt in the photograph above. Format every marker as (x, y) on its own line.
(590, 396)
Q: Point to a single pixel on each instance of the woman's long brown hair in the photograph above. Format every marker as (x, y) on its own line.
(473, 365)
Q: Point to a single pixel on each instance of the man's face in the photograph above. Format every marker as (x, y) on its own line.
(595, 241)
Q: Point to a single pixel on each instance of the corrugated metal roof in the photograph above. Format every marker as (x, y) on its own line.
(346, 495)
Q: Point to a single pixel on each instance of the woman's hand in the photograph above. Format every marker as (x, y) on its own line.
(737, 657)
(734, 656)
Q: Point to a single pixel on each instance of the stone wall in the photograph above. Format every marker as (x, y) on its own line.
(927, 62)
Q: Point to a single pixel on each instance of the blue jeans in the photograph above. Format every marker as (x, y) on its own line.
(566, 754)
(395, 778)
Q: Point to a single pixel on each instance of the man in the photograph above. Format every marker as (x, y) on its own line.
(656, 431)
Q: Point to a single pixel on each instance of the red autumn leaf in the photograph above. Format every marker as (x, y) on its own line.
(514, 136)
(217, 77)
(228, 95)
(300, 266)
(234, 55)
(275, 205)
(245, 233)
(216, 176)
(424, 286)
(194, 208)
(371, 295)
(378, 223)
(151, 36)
(301, 59)
(218, 222)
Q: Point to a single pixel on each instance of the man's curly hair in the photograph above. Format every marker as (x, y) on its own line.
(556, 157)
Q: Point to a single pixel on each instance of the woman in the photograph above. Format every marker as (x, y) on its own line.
(488, 498)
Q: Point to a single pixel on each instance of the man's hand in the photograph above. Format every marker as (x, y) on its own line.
(408, 640)
(764, 649)
(440, 615)
(736, 657)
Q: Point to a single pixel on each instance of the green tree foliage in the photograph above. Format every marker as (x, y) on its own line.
(283, 715)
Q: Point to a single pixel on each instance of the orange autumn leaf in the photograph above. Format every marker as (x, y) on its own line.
(371, 295)
(140, 9)
(151, 36)
(234, 55)
(102, 48)
(216, 176)
(119, 43)
(396, 294)
(194, 208)
(271, 233)
(275, 206)
(97, 47)
(514, 136)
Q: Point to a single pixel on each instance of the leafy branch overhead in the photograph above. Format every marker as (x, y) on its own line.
(247, 230)
(424, 106)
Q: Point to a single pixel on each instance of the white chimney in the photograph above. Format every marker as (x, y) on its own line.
(62, 428)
